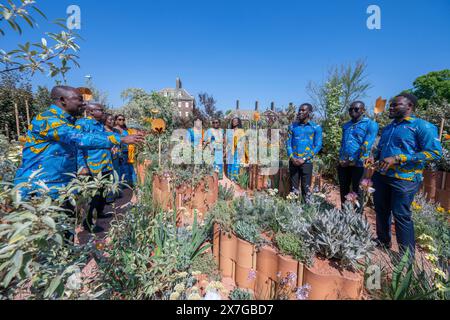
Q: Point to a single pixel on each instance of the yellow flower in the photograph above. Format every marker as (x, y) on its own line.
(194, 296)
(174, 296)
(440, 286)
(439, 272)
(158, 126)
(180, 288)
(430, 248)
(431, 258)
(425, 237)
(196, 273)
(440, 210)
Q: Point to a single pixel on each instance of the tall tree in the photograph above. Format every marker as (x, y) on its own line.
(15, 88)
(433, 92)
(353, 80)
(209, 106)
(41, 100)
(53, 54)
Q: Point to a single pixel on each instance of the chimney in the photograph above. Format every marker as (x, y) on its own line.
(272, 106)
(238, 104)
(257, 106)
(179, 85)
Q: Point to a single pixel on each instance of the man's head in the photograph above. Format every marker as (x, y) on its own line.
(402, 106)
(216, 123)
(69, 99)
(304, 112)
(95, 110)
(357, 110)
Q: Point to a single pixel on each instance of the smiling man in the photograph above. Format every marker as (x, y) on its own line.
(406, 145)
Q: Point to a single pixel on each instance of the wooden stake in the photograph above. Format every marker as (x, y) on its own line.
(17, 120)
(7, 131)
(27, 107)
(441, 132)
(159, 152)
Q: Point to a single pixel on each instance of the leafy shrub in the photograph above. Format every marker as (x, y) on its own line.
(291, 245)
(205, 264)
(225, 193)
(223, 214)
(240, 295)
(342, 235)
(35, 256)
(247, 231)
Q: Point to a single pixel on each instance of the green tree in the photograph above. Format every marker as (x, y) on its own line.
(14, 88)
(41, 100)
(53, 54)
(353, 80)
(332, 129)
(433, 92)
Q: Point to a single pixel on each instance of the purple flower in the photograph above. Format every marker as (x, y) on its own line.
(303, 292)
(292, 277)
(251, 275)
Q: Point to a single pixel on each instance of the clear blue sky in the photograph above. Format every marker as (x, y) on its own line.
(251, 50)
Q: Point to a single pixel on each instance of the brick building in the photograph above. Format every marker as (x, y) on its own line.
(184, 102)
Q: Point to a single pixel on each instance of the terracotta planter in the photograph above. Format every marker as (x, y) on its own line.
(245, 264)
(332, 287)
(162, 193)
(227, 254)
(287, 264)
(267, 268)
(443, 198)
(432, 182)
(216, 242)
(265, 287)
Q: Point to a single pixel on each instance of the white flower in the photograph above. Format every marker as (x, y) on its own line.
(212, 295)
(74, 282)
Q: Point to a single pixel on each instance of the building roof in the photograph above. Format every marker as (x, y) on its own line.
(177, 94)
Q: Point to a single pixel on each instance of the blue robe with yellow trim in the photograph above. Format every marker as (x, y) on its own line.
(96, 160)
(51, 147)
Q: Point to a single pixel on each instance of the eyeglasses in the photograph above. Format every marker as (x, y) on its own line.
(120, 119)
(216, 122)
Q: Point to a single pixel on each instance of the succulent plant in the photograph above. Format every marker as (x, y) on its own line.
(240, 295)
(247, 231)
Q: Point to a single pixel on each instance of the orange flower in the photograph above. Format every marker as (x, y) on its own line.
(22, 139)
(158, 126)
(447, 137)
(256, 116)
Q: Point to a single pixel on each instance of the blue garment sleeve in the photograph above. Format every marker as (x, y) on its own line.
(369, 140)
(69, 134)
(428, 140)
(290, 153)
(318, 140)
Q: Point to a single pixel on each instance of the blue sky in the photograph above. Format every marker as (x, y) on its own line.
(250, 50)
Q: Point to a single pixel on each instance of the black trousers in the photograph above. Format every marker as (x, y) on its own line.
(301, 175)
(98, 204)
(349, 181)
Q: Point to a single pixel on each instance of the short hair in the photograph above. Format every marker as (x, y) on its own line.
(358, 102)
(310, 106)
(60, 91)
(411, 98)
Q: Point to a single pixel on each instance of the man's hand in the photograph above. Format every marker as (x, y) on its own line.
(84, 172)
(369, 162)
(344, 164)
(132, 139)
(387, 163)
